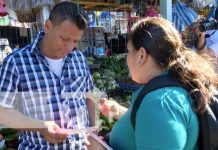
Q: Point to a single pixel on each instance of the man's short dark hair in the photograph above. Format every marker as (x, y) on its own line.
(68, 11)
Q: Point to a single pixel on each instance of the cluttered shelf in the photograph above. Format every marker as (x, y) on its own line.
(104, 5)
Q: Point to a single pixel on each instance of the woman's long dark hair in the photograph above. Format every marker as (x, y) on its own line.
(163, 42)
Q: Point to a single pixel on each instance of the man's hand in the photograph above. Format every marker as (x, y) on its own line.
(53, 133)
(201, 41)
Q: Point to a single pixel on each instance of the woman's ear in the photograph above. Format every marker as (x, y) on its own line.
(142, 56)
(48, 25)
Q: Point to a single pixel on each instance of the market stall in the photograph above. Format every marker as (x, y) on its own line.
(109, 22)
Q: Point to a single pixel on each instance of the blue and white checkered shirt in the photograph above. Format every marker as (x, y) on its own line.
(27, 81)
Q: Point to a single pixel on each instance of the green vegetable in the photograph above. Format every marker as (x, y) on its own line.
(11, 137)
(6, 131)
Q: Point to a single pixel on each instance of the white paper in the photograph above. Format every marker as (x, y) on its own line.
(100, 141)
(77, 131)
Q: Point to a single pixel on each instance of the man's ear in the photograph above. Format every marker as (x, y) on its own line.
(142, 56)
(48, 25)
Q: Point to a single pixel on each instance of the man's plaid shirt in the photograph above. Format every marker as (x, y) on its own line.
(27, 81)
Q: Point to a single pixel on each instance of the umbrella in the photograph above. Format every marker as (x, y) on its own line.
(183, 15)
(211, 13)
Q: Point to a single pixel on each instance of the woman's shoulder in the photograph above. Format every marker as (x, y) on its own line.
(173, 97)
(163, 93)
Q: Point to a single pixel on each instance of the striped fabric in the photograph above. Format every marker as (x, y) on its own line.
(211, 13)
(27, 82)
(183, 15)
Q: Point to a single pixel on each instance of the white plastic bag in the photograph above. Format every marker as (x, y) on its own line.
(21, 6)
(41, 3)
(42, 16)
(200, 4)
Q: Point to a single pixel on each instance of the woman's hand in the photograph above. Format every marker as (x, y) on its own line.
(107, 107)
(53, 133)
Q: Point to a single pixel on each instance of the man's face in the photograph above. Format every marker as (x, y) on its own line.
(62, 38)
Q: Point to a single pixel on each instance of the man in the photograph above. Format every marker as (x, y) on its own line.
(51, 78)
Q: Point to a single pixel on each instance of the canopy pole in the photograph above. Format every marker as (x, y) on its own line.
(166, 9)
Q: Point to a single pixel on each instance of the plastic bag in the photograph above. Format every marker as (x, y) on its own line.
(152, 11)
(2, 3)
(41, 3)
(21, 6)
(42, 16)
(11, 13)
(23, 9)
(3, 11)
(200, 4)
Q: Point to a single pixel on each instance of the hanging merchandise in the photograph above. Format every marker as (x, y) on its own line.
(23, 10)
(91, 19)
(11, 13)
(152, 10)
(211, 13)
(16, 23)
(204, 12)
(23, 32)
(106, 21)
(26, 10)
(3, 11)
(183, 15)
(4, 21)
(140, 7)
(42, 7)
(40, 3)
(21, 6)
(42, 16)
(200, 4)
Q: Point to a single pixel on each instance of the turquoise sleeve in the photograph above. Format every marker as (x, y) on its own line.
(160, 124)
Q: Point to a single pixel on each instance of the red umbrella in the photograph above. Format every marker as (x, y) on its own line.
(3, 11)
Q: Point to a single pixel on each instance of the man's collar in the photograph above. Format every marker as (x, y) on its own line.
(35, 44)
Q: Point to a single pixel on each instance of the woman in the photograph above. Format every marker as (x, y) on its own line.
(167, 117)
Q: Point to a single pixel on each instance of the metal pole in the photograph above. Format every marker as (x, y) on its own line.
(166, 9)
